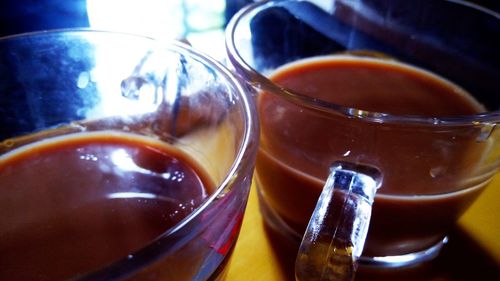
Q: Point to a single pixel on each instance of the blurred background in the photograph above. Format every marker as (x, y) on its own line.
(200, 21)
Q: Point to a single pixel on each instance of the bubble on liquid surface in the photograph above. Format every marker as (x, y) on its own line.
(436, 172)
(8, 143)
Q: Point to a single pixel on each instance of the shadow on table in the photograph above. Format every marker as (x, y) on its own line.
(461, 260)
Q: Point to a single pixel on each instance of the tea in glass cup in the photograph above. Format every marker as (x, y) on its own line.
(399, 87)
(121, 157)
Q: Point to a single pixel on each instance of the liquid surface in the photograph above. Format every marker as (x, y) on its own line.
(74, 204)
(298, 145)
(376, 85)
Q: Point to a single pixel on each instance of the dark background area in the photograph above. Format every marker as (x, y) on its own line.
(18, 16)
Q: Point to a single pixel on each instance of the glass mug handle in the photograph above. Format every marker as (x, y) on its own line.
(335, 236)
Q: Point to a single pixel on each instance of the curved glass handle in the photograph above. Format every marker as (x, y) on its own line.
(336, 233)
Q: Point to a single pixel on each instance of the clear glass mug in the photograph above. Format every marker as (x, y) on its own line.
(78, 84)
(427, 169)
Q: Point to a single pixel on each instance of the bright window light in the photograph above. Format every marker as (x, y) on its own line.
(199, 21)
(154, 18)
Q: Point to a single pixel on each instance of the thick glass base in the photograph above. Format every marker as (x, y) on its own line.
(406, 259)
(275, 222)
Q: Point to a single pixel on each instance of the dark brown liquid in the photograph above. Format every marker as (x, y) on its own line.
(76, 204)
(298, 145)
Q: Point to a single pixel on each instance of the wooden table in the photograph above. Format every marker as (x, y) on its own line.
(473, 252)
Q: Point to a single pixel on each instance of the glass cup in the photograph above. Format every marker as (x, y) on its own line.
(427, 168)
(111, 109)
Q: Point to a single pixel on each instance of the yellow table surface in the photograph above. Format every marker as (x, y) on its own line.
(473, 252)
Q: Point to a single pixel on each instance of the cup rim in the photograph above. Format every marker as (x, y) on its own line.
(246, 148)
(260, 82)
